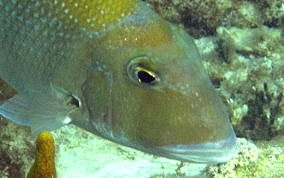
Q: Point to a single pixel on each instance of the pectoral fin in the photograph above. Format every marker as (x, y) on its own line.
(40, 111)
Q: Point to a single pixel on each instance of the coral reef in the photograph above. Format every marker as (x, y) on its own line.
(247, 67)
(247, 154)
(16, 149)
(263, 160)
(203, 17)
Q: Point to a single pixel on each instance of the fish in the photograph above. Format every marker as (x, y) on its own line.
(116, 69)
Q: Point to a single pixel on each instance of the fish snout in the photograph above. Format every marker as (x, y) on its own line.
(193, 127)
(211, 152)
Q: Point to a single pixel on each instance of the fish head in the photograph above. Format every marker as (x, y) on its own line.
(153, 94)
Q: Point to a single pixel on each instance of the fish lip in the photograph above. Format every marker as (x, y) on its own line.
(212, 152)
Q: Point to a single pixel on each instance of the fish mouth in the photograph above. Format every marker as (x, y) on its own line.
(212, 152)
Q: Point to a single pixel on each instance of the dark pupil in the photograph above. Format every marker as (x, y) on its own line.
(145, 77)
(74, 101)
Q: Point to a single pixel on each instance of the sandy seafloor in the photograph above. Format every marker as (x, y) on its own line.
(243, 51)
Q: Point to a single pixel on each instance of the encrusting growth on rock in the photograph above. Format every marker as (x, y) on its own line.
(44, 165)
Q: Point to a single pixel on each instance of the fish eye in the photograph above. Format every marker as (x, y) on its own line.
(74, 101)
(144, 75)
(140, 72)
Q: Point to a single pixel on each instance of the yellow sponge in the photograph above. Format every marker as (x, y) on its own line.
(44, 165)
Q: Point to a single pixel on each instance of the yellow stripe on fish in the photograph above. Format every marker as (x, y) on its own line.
(126, 18)
(107, 15)
(96, 14)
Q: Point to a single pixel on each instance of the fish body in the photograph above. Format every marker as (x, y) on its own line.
(116, 69)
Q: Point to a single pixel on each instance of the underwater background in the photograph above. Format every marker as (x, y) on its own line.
(242, 45)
